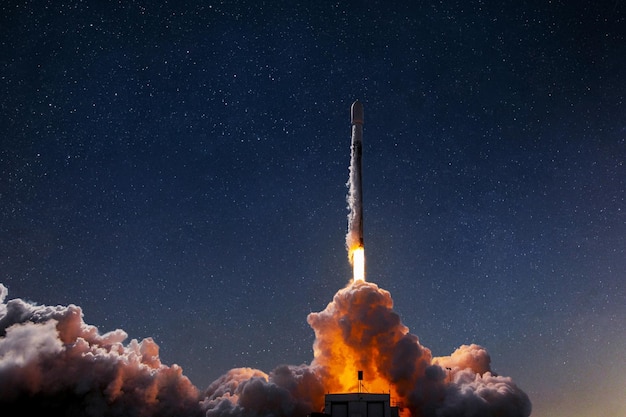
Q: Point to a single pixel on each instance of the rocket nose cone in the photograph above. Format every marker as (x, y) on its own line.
(356, 113)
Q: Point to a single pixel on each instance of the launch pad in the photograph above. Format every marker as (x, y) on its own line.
(358, 405)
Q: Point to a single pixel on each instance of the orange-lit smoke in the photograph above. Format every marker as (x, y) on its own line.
(50, 360)
(359, 330)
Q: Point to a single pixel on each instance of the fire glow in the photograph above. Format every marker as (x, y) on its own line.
(358, 264)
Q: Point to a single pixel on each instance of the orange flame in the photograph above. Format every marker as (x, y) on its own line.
(357, 258)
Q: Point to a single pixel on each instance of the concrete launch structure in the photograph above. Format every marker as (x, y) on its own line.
(356, 188)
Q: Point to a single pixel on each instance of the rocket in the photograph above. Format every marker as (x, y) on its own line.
(355, 197)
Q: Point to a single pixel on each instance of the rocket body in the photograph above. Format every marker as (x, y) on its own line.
(354, 237)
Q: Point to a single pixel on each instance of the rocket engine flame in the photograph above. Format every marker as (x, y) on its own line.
(358, 264)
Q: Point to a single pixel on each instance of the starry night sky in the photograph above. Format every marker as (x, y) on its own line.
(178, 170)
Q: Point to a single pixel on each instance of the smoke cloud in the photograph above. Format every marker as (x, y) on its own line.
(359, 330)
(52, 362)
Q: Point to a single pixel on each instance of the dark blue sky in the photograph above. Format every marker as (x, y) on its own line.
(178, 170)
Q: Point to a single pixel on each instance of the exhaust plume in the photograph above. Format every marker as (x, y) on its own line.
(51, 361)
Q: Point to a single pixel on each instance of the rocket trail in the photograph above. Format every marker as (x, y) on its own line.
(354, 238)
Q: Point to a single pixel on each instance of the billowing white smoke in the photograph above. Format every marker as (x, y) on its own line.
(287, 391)
(52, 363)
